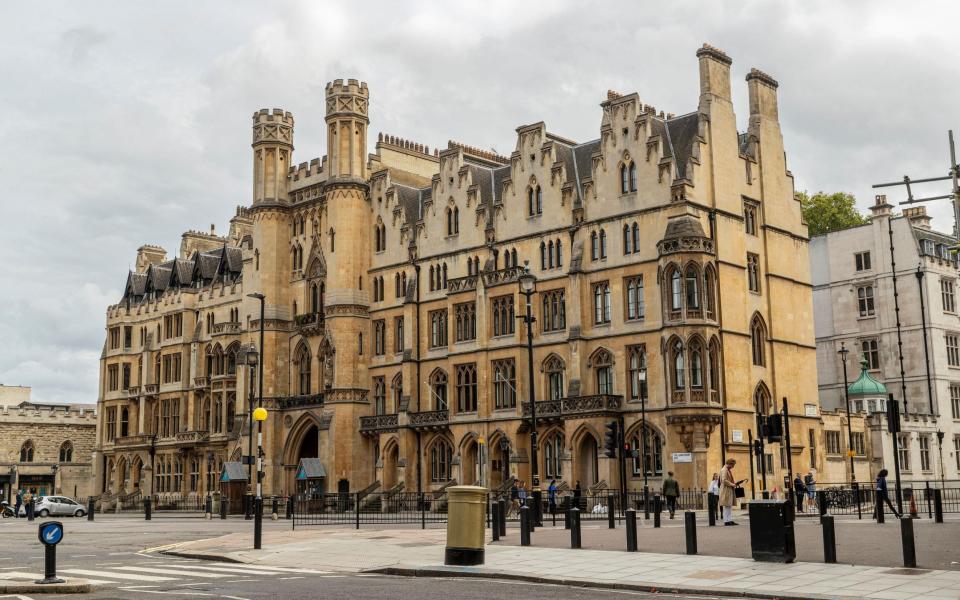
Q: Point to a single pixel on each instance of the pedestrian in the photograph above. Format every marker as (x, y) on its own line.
(713, 493)
(522, 493)
(882, 494)
(27, 500)
(728, 493)
(552, 496)
(19, 503)
(811, 486)
(671, 491)
(577, 490)
(800, 491)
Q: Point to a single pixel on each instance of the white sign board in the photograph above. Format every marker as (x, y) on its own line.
(810, 410)
(682, 457)
(737, 435)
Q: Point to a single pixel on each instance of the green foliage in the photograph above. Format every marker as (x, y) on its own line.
(829, 212)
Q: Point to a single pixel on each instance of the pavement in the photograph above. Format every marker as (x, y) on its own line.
(420, 553)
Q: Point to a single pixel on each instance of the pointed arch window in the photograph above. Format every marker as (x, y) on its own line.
(539, 200)
(594, 246)
(441, 456)
(627, 240)
(66, 452)
(713, 358)
(635, 235)
(444, 286)
(710, 291)
(453, 220)
(379, 395)
(603, 370)
(438, 389)
(624, 179)
(633, 176)
(758, 336)
(696, 365)
(396, 285)
(231, 412)
(692, 288)
(124, 422)
(432, 279)
(26, 452)
(761, 400)
(553, 369)
(603, 244)
(679, 368)
(649, 459)
(676, 291)
(304, 367)
(636, 373)
(559, 254)
(550, 255)
(552, 453)
(397, 386)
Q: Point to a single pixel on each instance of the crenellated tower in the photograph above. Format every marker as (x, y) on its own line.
(347, 231)
(269, 271)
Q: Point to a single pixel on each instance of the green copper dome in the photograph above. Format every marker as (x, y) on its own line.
(866, 385)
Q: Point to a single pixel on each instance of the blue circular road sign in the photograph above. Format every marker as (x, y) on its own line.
(51, 533)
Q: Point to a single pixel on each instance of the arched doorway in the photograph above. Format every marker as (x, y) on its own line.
(469, 467)
(122, 475)
(587, 465)
(391, 457)
(499, 451)
(136, 470)
(303, 442)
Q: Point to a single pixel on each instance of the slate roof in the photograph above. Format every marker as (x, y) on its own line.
(683, 226)
(311, 468)
(683, 133)
(204, 267)
(233, 471)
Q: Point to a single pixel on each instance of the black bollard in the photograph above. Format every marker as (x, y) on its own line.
(829, 539)
(937, 506)
(631, 530)
(765, 495)
(290, 507)
(147, 509)
(822, 503)
(646, 503)
(495, 518)
(879, 509)
(276, 506)
(909, 547)
(566, 512)
(524, 525)
(208, 506)
(656, 510)
(503, 518)
(690, 525)
(610, 512)
(90, 508)
(531, 514)
(29, 510)
(223, 508)
(928, 493)
(575, 527)
(712, 510)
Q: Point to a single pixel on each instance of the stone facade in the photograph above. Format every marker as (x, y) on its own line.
(854, 306)
(670, 246)
(46, 447)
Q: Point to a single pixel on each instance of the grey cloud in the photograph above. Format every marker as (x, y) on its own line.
(133, 126)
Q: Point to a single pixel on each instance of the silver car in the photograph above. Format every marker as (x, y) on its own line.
(56, 506)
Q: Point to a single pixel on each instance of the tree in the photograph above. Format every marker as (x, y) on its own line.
(829, 212)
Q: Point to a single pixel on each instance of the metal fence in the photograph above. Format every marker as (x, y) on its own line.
(861, 499)
(182, 506)
(421, 509)
(357, 508)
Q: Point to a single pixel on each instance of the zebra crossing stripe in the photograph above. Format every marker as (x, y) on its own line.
(274, 569)
(175, 572)
(113, 575)
(233, 570)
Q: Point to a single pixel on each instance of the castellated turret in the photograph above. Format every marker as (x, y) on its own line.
(272, 152)
(347, 120)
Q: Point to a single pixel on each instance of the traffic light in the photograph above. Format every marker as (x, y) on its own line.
(611, 439)
(893, 415)
(773, 428)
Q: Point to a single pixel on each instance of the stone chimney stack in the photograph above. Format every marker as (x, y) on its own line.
(880, 207)
(714, 74)
(918, 216)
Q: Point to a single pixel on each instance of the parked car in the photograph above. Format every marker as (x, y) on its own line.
(55, 506)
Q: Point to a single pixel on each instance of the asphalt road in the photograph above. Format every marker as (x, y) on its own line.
(121, 556)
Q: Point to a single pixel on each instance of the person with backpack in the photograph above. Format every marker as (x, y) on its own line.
(671, 491)
(811, 486)
(19, 503)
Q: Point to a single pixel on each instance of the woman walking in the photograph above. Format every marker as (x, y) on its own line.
(883, 495)
(728, 492)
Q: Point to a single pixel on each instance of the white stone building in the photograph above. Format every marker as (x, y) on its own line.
(854, 306)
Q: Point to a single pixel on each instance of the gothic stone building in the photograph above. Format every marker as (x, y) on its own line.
(670, 246)
(45, 447)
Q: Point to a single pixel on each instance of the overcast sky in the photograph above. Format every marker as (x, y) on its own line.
(129, 122)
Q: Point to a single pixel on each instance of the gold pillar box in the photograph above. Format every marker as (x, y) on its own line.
(466, 510)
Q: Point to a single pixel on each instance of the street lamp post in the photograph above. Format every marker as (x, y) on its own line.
(262, 299)
(940, 435)
(843, 352)
(251, 358)
(528, 284)
(259, 415)
(642, 380)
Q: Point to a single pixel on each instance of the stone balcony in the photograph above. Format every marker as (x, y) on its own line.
(201, 382)
(151, 389)
(309, 324)
(433, 419)
(227, 328)
(377, 424)
(576, 406)
(304, 401)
